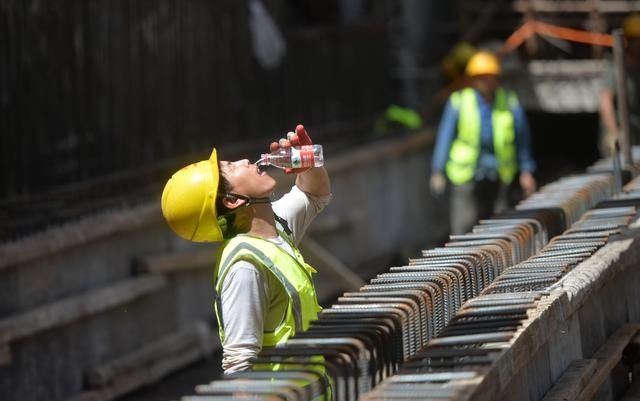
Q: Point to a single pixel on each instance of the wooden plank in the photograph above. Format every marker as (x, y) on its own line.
(197, 336)
(574, 379)
(607, 357)
(74, 308)
(177, 262)
(123, 381)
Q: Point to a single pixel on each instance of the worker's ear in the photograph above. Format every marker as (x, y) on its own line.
(231, 201)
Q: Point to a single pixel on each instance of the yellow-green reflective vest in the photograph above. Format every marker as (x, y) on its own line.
(465, 148)
(295, 276)
(292, 272)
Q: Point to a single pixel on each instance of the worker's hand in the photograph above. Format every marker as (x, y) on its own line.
(298, 138)
(528, 184)
(608, 144)
(437, 183)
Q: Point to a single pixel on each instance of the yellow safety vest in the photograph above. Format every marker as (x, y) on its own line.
(293, 273)
(295, 276)
(465, 149)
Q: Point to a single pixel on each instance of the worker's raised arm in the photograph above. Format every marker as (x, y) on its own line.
(314, 182)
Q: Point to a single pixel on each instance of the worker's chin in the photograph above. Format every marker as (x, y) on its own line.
(270, 186)
(270, 180)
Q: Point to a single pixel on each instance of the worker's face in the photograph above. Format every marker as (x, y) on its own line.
(485, 84)
(247, 179)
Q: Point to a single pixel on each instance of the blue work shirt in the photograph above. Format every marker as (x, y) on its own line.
(487, 164)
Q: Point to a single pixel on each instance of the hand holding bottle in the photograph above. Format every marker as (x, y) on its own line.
(300, 140)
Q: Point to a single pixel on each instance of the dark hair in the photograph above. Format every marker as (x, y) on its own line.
(225, 216)
(224, 186)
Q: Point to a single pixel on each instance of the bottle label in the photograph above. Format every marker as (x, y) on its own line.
(302, 157)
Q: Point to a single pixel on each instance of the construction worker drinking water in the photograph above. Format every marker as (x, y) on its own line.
(264, 288)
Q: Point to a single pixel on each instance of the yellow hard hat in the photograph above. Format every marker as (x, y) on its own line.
(483, 63)
(189, 201)
(631, 26)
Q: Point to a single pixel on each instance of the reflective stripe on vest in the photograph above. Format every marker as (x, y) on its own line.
(465, 149)
(293, 273)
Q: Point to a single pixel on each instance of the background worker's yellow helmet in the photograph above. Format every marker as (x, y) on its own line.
(483, 63)
(189, 201)
(631, 26)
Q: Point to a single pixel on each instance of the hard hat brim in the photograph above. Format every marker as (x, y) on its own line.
(215, 176)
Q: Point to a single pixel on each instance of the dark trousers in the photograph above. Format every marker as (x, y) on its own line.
(476, 200)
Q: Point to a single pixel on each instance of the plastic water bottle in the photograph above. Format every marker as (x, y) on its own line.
(294, 157)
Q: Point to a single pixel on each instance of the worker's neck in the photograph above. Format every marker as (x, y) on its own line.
(260, 221)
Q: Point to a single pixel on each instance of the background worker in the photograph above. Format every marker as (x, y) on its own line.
(608, 117)
(264, 289)
(483, 141)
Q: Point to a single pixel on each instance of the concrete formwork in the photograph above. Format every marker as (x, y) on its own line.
(583, 311)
